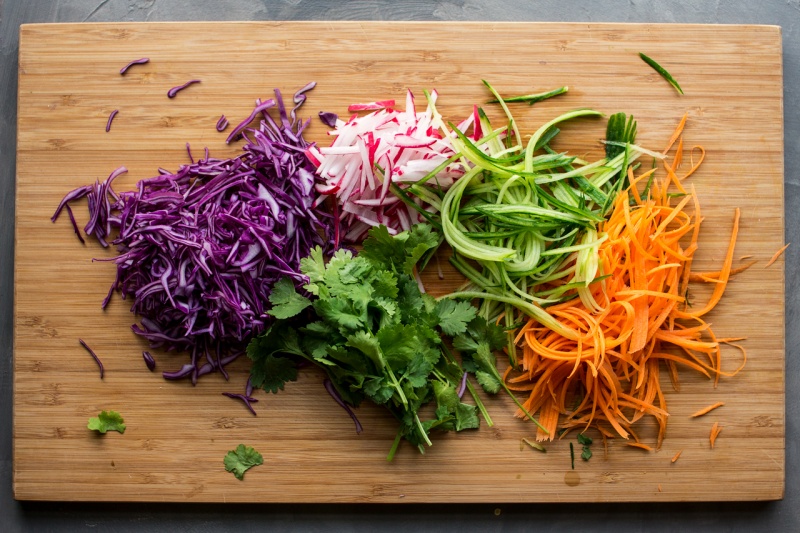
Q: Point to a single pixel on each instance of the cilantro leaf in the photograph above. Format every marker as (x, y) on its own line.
(313, 266)
(586, 454)
(107, 421)
(454, 315)
(583, 439)
(242, 459)
(488, 381)
(466, 417)
(479, 329)
(285, 300)
(401, 252)
(272, 373)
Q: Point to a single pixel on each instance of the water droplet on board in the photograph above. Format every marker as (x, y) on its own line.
(572, 478)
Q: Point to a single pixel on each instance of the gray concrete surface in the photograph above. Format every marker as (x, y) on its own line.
(782, 516)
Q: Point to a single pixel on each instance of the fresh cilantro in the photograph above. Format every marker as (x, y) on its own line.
(285, 301)
(107, 421)
(376, 336)
(242, 459)
(454, 316)
(584, 440)
(586, 454)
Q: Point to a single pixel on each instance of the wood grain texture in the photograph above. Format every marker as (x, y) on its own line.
(178, 434)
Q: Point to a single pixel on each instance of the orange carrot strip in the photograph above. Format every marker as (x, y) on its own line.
(715, 431)
(640, 446)
(707, 410)
(777, 255)
(676, 456)
(676, 133)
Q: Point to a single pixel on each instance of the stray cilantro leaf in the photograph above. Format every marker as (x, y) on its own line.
(285, 301)
(454, 315)
(242, 459)
(583, 439)
(272, 373)
(107, 421)
(489, 382)
(586, 454)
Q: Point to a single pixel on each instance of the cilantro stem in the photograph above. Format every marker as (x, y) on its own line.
(422, 430)
(395, 446)
(479, 403)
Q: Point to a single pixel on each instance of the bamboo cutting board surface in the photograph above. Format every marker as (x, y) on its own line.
(178, 435)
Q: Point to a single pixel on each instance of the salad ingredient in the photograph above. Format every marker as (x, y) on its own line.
(338, 399)
(175, 90)
(708, 409)
(367, 325)
(199, 250)
(110, 119)
(610, 363)
(242, 459)
(534, 445)
(662, 71)
(74, 224)
(222, 123)
(246, 399)
(107, 421)
(94, 356)
(777, 255)
(373, 157)
(715, 431)
(141, 61)
(676, 456)
(149, 360)
(532, 98)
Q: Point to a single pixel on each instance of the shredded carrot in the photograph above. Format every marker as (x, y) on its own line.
(607, 373)
(676, 456)
(707, 410)
(776, 256)
(640, 445)
(748, 256)
(715, 431)
(676, 134)
(659, 487)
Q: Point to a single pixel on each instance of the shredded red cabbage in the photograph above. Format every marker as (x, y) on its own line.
(111, 118)
(335, 395)
(222, 123)
(175, 90)
(199, 250)
(141, 61)
(149, 360)
(94, 356)
(245, 398)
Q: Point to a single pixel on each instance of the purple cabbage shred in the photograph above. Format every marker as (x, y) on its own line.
(335, 395)
(175, 90)
(94, 356)
(328, 118)
(110, 119)
(141, 61)
(149, 360)
(199, 250)
(245, 398)
(222, 123)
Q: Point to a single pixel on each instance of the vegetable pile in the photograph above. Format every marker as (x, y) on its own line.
(199, 250)
(363, 320)
(385, 150)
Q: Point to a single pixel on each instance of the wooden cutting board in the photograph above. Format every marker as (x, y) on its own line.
(178, 435)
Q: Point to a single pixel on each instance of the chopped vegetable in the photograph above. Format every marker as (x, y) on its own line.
(777, 255)
(74, 224)
(107, 421)
(715, 431)
(199, 250)
(242, 459)
(532, 98)
(374, 157)
(572, 455)
(110, 119)
(141, 61)
(662, 71)
(363, 320)
(175, 90)
(676, 456)
(611, 357)
(149, 360)
(534, 445)
(244, 398)
(94, 356)
(338, 399)
(707, 410)
(222, 123)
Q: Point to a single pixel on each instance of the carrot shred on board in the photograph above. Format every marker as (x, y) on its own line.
(777, 255)
(607, 373)
(707, 410)
(676, 456)
(715, 431)
(640, 445)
